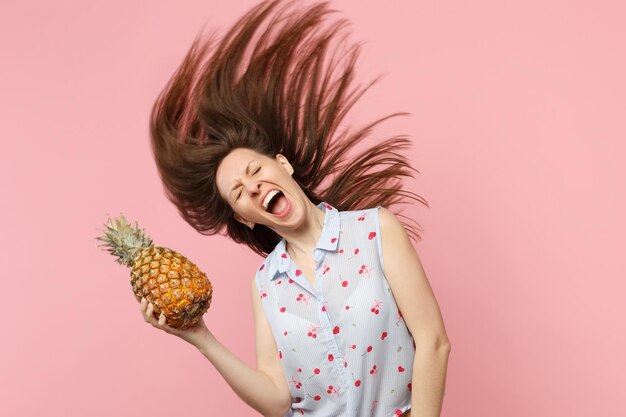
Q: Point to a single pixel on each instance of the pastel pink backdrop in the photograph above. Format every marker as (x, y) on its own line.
(518, 127)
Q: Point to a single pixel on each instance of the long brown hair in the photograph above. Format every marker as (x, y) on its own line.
(276, 95)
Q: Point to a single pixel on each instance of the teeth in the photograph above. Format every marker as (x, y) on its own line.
(268, 198)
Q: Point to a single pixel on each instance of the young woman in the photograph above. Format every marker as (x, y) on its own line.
(244, 137)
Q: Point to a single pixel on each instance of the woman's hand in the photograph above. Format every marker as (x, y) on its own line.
(191, 335)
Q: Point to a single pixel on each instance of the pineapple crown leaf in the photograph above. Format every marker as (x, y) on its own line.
(123, 240)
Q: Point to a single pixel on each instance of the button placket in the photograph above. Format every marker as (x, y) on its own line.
(327, 326)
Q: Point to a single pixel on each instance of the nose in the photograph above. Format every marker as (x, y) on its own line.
(253, 186)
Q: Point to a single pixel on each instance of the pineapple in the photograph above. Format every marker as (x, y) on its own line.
(168, 280)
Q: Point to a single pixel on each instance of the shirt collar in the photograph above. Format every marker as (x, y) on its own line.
(328, 241)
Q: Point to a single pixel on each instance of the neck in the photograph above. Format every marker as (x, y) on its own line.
(301, 243)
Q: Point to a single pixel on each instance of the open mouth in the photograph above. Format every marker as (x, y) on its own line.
(277, 203)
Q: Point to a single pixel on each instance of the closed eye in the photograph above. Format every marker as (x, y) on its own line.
(239, 195)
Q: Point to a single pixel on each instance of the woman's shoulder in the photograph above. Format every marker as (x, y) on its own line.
(263, 268)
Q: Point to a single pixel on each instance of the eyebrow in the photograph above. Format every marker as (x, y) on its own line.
(247, 170)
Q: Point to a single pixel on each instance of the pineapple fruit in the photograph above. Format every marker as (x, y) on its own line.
(168, 280)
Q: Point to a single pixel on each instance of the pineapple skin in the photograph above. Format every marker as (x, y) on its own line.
(173, 284)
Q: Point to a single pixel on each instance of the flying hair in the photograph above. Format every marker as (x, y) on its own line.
(270, 84)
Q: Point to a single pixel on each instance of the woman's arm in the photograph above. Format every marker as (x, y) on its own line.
(265, 389)
(416, 301)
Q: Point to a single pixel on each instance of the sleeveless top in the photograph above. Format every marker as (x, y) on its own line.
(344, 347)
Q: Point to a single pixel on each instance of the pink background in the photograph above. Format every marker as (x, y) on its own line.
(518, 125)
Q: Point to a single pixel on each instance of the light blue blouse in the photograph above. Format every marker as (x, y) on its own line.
(345, 349)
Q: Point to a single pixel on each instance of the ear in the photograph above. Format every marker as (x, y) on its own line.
(239, 219)
(284, 163)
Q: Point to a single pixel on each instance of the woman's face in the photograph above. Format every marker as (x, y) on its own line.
(246, 179)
